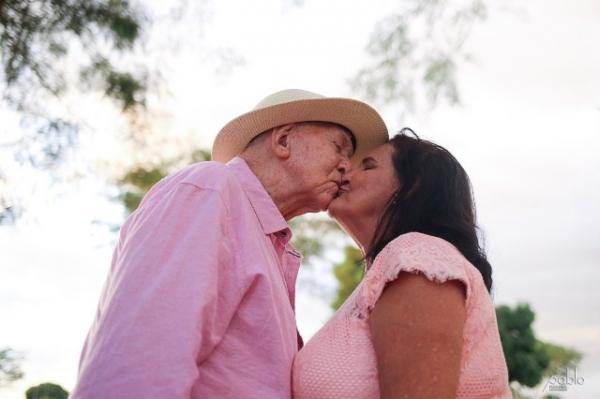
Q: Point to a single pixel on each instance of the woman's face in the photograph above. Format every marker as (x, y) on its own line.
(365, 193)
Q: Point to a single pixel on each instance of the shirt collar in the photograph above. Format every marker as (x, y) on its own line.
(269, 216)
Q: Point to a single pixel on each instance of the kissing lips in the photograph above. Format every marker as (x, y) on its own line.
(343, 189)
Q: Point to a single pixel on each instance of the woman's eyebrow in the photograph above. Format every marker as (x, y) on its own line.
(368, 159)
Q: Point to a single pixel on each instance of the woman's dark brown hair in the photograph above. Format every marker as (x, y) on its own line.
(434, 198)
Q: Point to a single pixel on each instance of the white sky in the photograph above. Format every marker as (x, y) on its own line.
(528, 133)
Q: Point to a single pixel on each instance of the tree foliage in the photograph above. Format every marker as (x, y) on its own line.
(35, 35)
(415, 53)
(560, 358)
(47, 47)
(39, 41)
(10, 366)
(46, 391)
(348, 273)
(525, 355)
(312, 234)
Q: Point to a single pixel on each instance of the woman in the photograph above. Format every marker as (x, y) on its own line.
(421, 324)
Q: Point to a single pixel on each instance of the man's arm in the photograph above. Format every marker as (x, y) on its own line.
(171, 294)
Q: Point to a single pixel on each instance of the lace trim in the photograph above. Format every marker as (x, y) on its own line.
(416, 253)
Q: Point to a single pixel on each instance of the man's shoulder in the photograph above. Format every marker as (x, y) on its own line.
(208, 175)
(203, 176)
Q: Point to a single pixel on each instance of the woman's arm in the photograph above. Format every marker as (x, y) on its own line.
(417, 330)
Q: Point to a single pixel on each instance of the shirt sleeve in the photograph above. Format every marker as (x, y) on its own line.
(434, 258)
(173, 288)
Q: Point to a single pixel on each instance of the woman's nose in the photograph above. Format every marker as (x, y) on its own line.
(347, 176)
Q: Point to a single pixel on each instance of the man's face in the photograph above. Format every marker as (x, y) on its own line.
(320, 157)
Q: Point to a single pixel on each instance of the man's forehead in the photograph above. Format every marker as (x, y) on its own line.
(343, 133)
(334, 131)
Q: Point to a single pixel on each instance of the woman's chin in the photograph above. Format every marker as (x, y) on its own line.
(342, 215)
(336, 208)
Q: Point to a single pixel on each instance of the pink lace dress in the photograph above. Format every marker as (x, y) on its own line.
(339, 361)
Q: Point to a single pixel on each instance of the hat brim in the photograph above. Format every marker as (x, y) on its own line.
(363, 121)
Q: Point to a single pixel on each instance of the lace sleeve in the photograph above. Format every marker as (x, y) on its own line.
(432, 257)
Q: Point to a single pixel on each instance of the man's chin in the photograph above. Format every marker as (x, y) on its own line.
(326, 206)
(328, 199)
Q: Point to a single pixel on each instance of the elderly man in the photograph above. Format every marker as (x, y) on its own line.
(199, 302)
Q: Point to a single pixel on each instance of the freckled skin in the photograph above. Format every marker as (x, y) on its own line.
(411, 326)
(320, 156)
(301, 164)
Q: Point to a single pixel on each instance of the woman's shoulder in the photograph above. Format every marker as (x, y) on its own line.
(420, 247)
(416, 253)
(432, 257)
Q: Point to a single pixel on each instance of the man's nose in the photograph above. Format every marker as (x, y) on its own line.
(344, 166)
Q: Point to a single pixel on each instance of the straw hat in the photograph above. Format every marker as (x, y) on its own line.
(290, 106)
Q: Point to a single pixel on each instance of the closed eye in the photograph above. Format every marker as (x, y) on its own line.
(368, 163)
(346, 151)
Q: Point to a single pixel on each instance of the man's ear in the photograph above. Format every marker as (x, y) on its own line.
(280, 140)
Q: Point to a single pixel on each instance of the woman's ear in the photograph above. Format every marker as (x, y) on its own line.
(280, 143)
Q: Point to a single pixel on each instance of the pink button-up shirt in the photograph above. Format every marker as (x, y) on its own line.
(199, 301)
